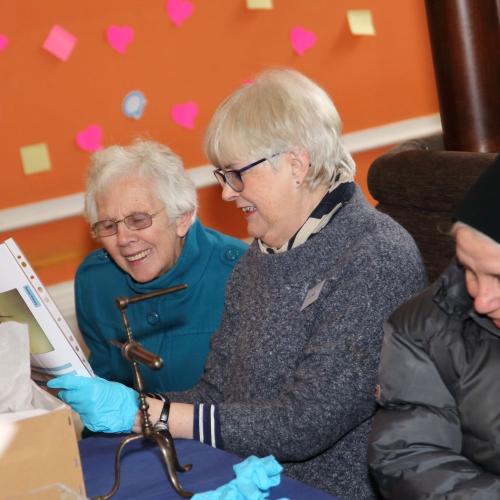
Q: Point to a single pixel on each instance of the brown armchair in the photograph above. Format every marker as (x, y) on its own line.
(419, 184)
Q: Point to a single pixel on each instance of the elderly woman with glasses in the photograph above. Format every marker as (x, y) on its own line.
(141, 205)
(292, 369)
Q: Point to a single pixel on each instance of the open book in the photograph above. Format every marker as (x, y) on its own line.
(53, 347)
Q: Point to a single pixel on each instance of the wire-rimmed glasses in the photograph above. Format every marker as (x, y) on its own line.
(134, 221)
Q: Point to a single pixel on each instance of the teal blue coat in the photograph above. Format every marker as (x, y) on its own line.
(178, 326)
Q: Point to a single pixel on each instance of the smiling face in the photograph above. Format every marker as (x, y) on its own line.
(274, 201)
(147, 253)
(481, 260)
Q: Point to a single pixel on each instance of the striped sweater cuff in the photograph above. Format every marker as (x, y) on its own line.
(206, 425)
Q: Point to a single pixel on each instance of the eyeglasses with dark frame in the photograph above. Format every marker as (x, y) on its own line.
(135, 222)
(233, 177)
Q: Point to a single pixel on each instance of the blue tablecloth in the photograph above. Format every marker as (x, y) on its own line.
(143, 475)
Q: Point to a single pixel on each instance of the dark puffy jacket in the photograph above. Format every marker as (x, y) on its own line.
(437, 434)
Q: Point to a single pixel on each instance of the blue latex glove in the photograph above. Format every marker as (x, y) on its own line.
(254, 477)
(263, 472)
(104, 406)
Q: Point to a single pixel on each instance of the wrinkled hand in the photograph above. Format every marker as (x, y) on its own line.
(104, 406)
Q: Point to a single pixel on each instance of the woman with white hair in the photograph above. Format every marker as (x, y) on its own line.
(292, 368)
(141, 206)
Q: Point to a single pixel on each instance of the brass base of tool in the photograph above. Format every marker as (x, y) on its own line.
(135, 354)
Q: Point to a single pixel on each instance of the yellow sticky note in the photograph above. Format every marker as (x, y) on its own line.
(259, 4)
(35, 158)
(360, 22)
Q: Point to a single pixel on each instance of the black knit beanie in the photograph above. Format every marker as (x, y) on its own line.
(480, 208)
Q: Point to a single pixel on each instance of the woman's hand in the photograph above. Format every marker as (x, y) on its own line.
(104, 406)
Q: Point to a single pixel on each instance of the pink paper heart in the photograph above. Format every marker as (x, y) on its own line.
(179, 10)
(90, 139)
(119, 37)
(302, 40)
(184, 114)
(4, 41)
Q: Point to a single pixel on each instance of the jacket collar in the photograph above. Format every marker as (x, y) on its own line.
(452, 297)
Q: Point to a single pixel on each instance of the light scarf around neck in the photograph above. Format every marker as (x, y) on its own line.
(338, 194)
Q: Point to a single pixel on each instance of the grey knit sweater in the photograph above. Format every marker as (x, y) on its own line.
(297, 382)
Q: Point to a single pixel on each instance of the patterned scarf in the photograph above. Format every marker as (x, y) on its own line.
(337, 196)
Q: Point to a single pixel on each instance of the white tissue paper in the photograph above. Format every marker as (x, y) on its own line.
(16, 386)
(18, 393)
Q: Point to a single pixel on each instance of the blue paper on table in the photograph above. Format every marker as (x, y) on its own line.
(254, 477)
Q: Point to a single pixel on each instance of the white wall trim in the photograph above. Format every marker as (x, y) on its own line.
(71, 205)
(392, 133)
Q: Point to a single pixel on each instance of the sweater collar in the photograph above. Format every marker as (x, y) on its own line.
(188, 268)
(338, 230)
(338, 194)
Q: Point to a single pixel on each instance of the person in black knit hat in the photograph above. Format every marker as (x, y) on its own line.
(437, 432)
(480, 208)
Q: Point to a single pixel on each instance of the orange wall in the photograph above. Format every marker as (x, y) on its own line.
(373, 81)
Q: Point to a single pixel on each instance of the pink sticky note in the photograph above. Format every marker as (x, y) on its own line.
(90, 139)
(119, 37)
(60, 43)
(302, 40)
(184, 114)
(179, 10)
(4, 41)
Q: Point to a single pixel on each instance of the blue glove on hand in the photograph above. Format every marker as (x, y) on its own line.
(104, 406)
(254, 477)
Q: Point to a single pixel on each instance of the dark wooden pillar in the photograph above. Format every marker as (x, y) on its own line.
(465, 41)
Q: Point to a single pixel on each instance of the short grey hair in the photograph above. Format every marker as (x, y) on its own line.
(280, 111)
(146, 159)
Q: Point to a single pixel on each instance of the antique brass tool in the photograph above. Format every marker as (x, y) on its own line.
(134, 353)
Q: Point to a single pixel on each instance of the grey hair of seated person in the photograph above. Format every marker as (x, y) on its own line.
(280, 111)
(145, 159)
